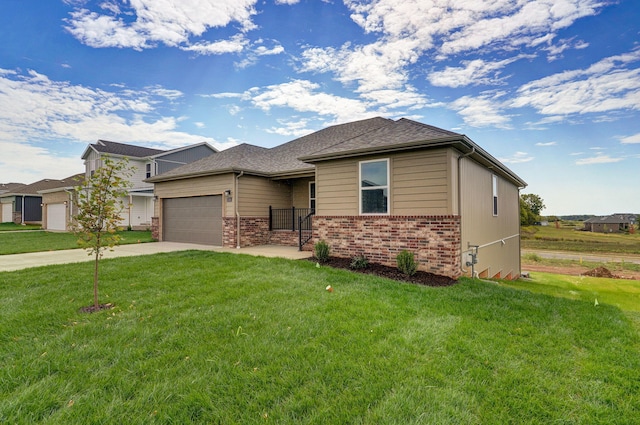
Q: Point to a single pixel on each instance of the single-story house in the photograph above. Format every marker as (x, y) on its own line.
(614, 223)
(6, 204)
(58, 204)
(145, 163)
(372, 187)
(24, 203)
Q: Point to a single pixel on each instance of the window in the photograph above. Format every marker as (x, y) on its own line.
(374, 187)
(494, 181)
(148, 170)
(312, 195)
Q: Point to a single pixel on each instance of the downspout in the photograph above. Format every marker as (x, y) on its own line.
(237, 186)
(471, 152)
(520, 236)
(70, 212)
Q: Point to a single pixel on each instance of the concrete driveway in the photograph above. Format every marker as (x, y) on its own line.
(35, 259)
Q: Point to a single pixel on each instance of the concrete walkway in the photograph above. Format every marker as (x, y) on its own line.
(34, 259)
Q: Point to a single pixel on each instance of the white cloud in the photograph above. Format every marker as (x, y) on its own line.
(546, 144)
(302, 96)
(635, 138)
(517, 158)
(291, 128)
(605, 86)
(481, 111)
(28, 163)
(409, 29)
(233, 45)
(171, 22)
(600, 158)
(474, 72)
(43, 110)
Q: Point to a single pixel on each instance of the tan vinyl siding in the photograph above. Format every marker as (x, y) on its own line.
(337, 187)
(481, 227)
(257, 193)
(300, 189)
(420, 183)
(197, 186)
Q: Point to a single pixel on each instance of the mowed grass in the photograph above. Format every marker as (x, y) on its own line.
(8, 226)
(22, 242)
(569, 238)
(217, 338)
(622, 293)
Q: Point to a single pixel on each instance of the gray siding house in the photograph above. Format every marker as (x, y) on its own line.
(146, 163)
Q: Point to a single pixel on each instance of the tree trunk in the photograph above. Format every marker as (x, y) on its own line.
(95, 280)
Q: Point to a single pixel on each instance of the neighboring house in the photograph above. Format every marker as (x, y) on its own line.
(6, 204)
(377, 187)
(58, 205)
(614, 223)
(146, 163)
(24, 204)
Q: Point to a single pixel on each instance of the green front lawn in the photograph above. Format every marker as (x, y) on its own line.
(21, 242)
(622, 293)
(12, 227)
(218, 338)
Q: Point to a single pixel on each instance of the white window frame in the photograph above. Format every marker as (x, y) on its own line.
(387, 187)
(494, 199)
(312, 200)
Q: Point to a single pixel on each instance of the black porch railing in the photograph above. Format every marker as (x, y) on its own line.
(293, 219)
(306, 229)
(289, 218)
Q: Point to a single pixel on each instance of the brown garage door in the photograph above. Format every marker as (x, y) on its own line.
(195, 220)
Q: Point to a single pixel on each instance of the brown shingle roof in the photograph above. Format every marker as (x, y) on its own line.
(10, 187)
(278, 160)
(374, 135)
(46, 184)
(394, 133)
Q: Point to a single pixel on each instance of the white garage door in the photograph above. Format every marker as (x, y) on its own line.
(56, 217)
(7, 213)
(196, 219)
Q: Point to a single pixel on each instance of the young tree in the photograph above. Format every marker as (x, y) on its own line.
(99, 203)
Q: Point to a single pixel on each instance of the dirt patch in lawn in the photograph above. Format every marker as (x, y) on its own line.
(578, 271)
(94, 309)
(420, 278)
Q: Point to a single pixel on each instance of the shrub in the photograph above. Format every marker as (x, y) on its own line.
(407, 263)
(322, 249)
(359, 262)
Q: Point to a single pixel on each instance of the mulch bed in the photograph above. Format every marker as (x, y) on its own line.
(420, 278)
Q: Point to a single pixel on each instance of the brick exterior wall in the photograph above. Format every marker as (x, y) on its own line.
(253, 231)
(284, 237)
(155, 228)
(435, 240)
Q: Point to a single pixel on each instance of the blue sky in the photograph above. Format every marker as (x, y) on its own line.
(551, 88)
